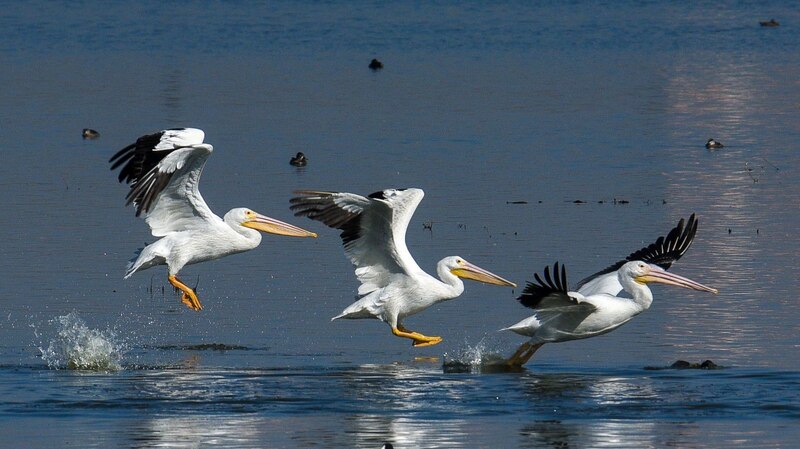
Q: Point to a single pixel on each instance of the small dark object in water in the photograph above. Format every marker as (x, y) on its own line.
(300, 160)
(713, 144)
(375, 64)
(770, 23)
(494, 365)
(616, 201)
(579, 201)
(516, 202)
(683, 364)
(729, 230)
(387, 446)
(90, 134)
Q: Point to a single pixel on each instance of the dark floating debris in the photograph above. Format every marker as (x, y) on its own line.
(616, 201)
(579, 202)
(428, 226)
(489, 363)
(683, 364)
(770, 23)
(300, 160)
(713, 144)
(516, 202)
(90, 134)
(375, 64)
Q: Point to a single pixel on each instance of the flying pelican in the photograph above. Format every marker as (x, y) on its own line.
(393, 286)
(163, 170)
(595, 308)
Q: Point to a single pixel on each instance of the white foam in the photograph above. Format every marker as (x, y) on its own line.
(76, 347)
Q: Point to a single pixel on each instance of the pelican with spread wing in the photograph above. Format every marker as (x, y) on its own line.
(163, 170)
(594, 309)
(393, 286)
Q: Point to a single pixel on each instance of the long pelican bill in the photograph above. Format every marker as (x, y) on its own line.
(467, 270)
(664, 277)
(266, 224)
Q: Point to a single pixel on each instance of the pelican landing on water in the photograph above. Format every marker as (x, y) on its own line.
(163, 170)
(563, 315)
(393, 286)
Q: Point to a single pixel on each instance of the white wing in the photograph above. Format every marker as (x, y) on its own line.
(373, 229)
(604, 284)
(163, 170)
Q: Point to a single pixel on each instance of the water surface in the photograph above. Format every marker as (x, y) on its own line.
(481, 106)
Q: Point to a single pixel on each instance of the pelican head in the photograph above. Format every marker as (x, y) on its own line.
(465, 270)
(643, 273)
(253, 220)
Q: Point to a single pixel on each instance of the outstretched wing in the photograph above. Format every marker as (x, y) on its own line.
(551, 293)
(163, 170)
(663, 252)
(373, 229)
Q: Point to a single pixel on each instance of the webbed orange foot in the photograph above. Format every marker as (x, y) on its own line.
(426, 341)
(419, 339)
(188, 297)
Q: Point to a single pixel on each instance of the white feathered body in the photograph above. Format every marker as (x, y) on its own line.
(180, 248)
(405, 295)
(548, 326)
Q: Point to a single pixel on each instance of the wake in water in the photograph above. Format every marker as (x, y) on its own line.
(76, 347)
(481, 358)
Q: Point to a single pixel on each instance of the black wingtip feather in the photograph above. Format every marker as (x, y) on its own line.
(535, 292)
(137, 161)
(665, 251)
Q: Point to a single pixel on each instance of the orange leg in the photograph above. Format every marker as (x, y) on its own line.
(523, 354)
(419, 339)
(188, 297)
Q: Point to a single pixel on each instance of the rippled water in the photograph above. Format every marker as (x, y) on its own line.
(505, 114)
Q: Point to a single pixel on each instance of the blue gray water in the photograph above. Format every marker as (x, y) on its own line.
(480, 105)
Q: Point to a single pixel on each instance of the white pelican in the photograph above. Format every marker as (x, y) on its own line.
(163, 170)
(393, 286)
(563, 315)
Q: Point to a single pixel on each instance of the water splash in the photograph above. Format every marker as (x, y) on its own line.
(76, 347)
(481, 358)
